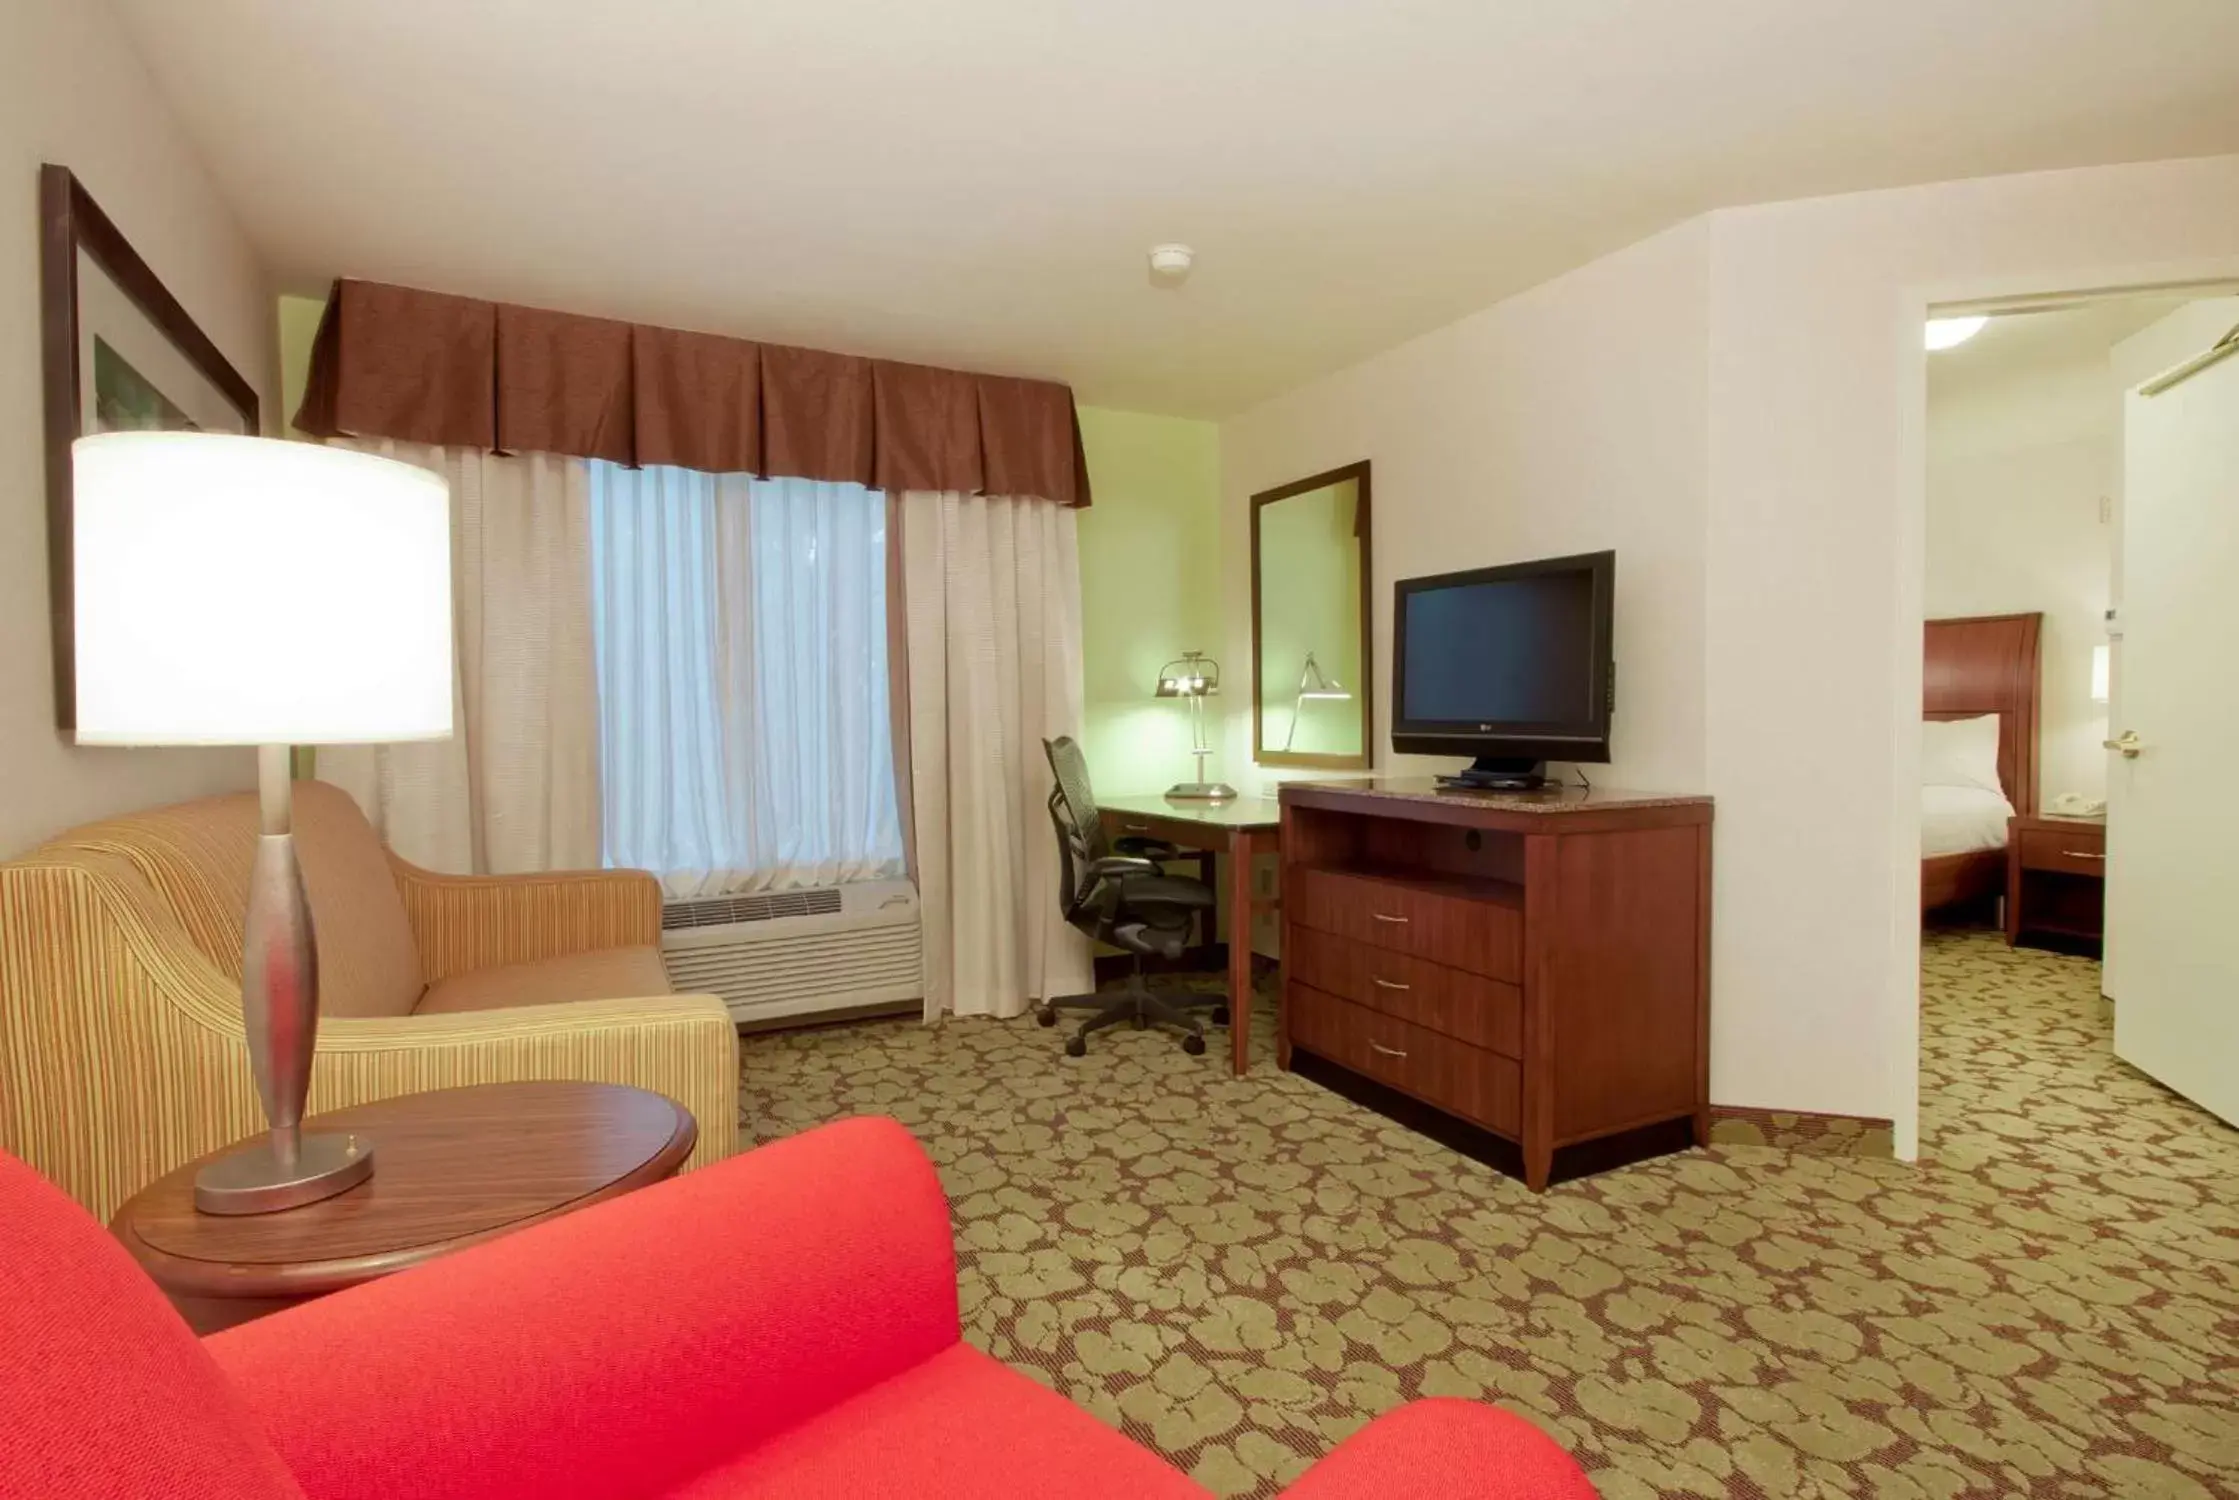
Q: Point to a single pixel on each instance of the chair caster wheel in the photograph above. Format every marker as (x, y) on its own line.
(1045, 1017)
(1076, 1047)
(1193, 1044)
(1220, 1015)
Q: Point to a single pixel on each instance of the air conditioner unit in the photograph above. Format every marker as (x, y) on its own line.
(798, 953)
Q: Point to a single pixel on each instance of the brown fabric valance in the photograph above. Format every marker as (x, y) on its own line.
(424, 367)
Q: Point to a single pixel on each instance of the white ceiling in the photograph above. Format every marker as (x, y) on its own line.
(2024, 345)
(974, 182)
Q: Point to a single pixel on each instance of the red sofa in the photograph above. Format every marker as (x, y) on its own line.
(783, 1324)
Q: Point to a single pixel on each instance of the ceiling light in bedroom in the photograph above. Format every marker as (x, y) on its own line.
(1950, 333)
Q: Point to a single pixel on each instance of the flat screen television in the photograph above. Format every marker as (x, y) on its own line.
(1511, 666)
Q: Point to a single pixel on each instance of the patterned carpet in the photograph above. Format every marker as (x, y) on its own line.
(1240, 1272)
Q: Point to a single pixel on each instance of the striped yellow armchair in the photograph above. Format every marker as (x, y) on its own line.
(121, 1048)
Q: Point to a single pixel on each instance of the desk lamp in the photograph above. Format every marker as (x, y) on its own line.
(246, 591)
(1196, 677)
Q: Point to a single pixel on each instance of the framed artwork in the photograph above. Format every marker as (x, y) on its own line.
(118, 353)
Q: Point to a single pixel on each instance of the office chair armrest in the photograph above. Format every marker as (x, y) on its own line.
(1113, 866)
(1141, 848)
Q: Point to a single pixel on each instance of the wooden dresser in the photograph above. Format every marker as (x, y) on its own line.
(1534, 963)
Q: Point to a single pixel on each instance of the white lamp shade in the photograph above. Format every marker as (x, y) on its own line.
(246, 591)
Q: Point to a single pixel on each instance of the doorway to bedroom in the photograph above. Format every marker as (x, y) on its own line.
(2034, 433)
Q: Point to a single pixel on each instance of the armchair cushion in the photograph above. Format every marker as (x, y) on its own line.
(606, 974)
(368, 964)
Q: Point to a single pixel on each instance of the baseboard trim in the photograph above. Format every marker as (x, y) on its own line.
(1802, 1130)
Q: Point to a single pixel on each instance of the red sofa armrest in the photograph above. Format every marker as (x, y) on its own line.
(620, 1350)
(1441, 1448)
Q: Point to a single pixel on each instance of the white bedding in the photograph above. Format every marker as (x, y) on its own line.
(1961, 819)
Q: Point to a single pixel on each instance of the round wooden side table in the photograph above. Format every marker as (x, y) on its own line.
(450, 1168)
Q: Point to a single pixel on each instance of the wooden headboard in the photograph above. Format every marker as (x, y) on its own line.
(1988, 664)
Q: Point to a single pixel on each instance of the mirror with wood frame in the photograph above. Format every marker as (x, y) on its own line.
(1310, 646)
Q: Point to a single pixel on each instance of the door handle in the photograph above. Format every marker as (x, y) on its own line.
(2128, 743)
(1386, 984)
(1386, 1051)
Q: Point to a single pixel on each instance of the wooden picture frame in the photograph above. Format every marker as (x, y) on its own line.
(1365, 689)
(97, 294)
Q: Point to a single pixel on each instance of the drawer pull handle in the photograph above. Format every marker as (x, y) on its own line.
(1386, 1051)
(2080, 854)
(1379, 916)
(1387, 984)
(1135, 828)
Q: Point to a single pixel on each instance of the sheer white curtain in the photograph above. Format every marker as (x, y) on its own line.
(744, 726)
(516, 788)
(993, 596)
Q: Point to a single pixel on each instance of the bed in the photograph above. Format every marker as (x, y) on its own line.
(1984, 665)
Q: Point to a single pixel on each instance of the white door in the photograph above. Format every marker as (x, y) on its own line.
(2173, 809)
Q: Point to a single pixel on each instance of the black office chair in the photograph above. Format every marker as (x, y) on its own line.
(1116, 892)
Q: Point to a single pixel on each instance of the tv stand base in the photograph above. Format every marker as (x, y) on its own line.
(1490, 773)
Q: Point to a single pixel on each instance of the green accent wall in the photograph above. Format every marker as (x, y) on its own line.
(1150, 590)
(299, 321)
(1150, 574)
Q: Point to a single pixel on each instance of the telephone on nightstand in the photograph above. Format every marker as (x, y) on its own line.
(2076, 805)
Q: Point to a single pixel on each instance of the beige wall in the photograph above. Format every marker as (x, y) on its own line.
(1737, 406)
(2021, 475)
(1567, 419)
(72, 91)
(1816, 572)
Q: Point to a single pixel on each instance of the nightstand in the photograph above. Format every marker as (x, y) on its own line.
(2056, 881)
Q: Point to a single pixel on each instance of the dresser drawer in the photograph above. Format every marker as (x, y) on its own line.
(1483, 936)
(2083, 852)
(1484, 1012)
(1478, 1085)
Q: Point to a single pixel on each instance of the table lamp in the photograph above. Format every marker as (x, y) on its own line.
(247, 591)
(1194, 676)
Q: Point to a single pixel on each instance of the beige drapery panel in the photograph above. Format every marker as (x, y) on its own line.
(991, 587)
(516, 787)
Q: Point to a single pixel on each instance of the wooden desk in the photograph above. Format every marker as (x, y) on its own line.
(1239, 828)
(450, 1168)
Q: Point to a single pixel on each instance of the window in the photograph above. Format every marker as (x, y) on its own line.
(744, 726)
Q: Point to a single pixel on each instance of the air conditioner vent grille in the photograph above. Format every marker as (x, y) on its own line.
(721, 911)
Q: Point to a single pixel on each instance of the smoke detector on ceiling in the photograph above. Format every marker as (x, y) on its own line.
(1170, 264)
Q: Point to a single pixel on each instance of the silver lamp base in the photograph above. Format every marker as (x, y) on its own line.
(257, 1179)
(1200, 791)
